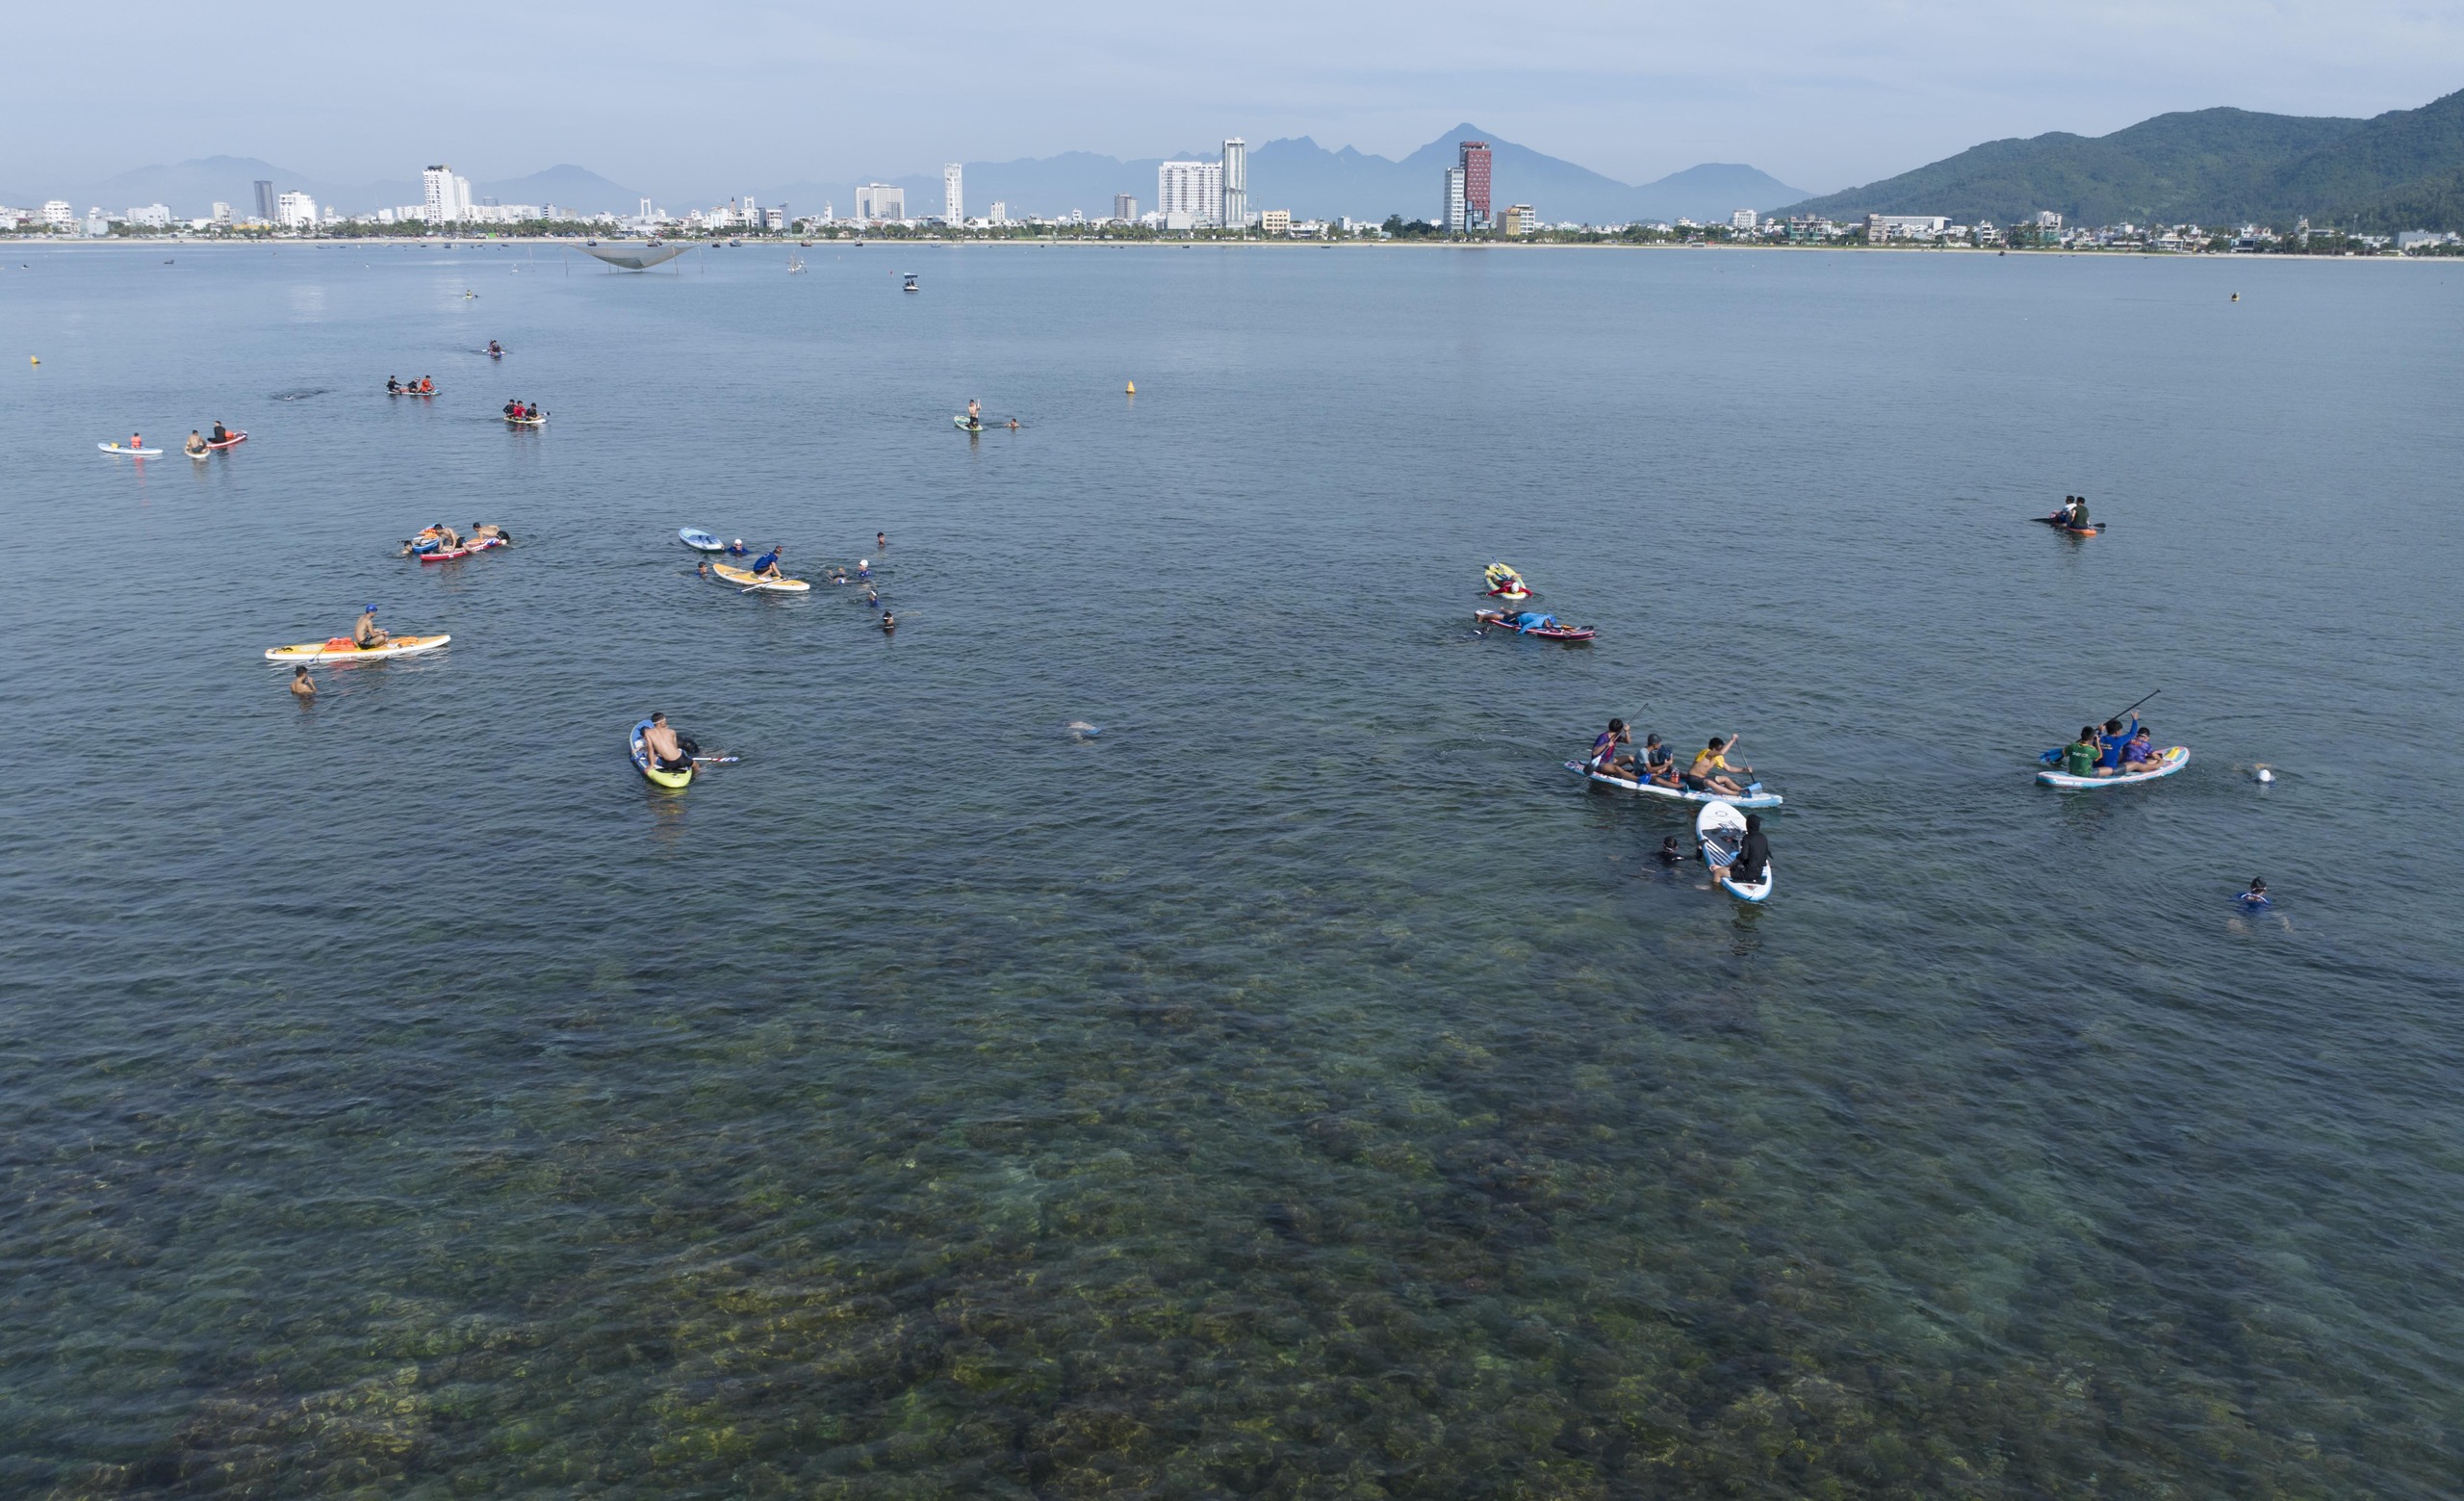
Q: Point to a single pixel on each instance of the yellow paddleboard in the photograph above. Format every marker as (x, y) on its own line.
(745, 578)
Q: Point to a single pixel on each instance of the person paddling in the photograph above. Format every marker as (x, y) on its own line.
(366, 634)
(1706, 774)
(1604, 750)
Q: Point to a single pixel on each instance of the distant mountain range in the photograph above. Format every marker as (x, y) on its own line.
(191, 189)
(1302, 176)
(2404, 170)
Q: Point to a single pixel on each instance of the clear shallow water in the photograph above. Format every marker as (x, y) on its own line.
(1304, 1087)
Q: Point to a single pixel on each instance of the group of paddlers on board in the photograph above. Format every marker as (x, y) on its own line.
(425, 385)
(522, 411)
(2072, 517)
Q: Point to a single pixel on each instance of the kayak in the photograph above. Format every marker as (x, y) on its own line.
(445, 554)
(232, 441)
(1754, 796)
(2174, 758)
(1720, 829)
(115, 447)
(1504, 621)
(745, 578)
(338, 648)
(2062, 526)
(700, 541)
(641, 755)
(540, 421)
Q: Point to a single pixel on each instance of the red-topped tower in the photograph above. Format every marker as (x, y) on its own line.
(1475, 184)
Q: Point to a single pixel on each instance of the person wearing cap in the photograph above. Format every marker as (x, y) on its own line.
(367, 632)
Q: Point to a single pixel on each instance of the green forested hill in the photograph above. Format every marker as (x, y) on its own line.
(2404, 170)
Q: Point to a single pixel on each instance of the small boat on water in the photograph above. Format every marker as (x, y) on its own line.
(795, 266)
(911, 283)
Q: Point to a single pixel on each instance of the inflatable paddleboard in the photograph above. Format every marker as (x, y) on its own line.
(1720, 829)
(1503, 622)
(745, 578)
(204, 453)
(445, 554)
(960, 421)
(1754, 798)
(407, 391)
(341, 648)
(2174, 758)
(540, 421)
(700, 541)
(232, 441)
(642, 761)
(114, 448)
(2058, 525)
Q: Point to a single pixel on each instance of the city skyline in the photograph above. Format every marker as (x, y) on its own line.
(1814, 94)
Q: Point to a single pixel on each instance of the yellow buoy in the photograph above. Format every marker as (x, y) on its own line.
(33, 360)
(1133, 388)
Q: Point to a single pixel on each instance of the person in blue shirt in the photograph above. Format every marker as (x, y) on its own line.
(2256, 896)
(767, 566)
(2112, 742)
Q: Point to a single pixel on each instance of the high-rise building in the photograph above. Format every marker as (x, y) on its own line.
(1517, 220)
(1454, 210)
(1195, 189)
(1743, 218)
(265, 200)
(448, 198)
(1236, 183)
(1124, 207)
(222, 213)
(954, 194)
(58, 215)
(878, 202)
(1475, 184)
(295, 211)
(645, 209)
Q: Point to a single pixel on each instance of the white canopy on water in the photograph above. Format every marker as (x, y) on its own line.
(636, 256)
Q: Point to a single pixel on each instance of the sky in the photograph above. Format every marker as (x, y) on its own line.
(695, 98)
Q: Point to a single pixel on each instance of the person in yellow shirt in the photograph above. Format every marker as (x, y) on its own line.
(1706, 774)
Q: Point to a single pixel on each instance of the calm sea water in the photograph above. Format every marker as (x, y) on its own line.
(1303, 1087)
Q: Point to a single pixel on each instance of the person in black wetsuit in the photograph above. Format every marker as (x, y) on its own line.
(1753, 862)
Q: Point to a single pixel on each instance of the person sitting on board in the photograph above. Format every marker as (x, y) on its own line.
(427, 386)
(1751, 865)
(2079, 757)
(2141, 754)
(1604, 759)
(974, 412)
(531, 413)
(1658, 768)
(366, 633)
(512, 409)
(668, 751)
(1706, 774)
(135, 440)
(221, 434)
(767, 566)
(2078, 520)
(392, 386)
(2109, 745)
(494, 347)
(196, 443)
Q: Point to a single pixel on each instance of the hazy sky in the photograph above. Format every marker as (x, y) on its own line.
(710, 96)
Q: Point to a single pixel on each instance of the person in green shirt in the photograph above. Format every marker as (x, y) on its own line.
(2080, 756)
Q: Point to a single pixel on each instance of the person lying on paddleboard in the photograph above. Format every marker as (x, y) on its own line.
(668, 750)
(196, 443)
(767, 566)
(1604, 750)
(367, 632)
(1705, 775)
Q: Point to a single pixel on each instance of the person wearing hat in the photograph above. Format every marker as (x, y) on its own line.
(367, 632)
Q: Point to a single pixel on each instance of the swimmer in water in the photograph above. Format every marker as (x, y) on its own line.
(2256, 898)
(1669, 853)
(871, 598)
(889, 622)
(302, 687)
(881, 541)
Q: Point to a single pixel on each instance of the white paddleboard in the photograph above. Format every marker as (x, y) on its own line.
(114, 448)
(1721, 829)
(1675, 794)
(2174, 758)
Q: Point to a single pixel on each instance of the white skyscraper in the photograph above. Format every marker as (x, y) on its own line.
(1454, 207)
(58, 215)
(952, 195)
(295, 211)
(1191, 188)
(1236, 183)
(448, 198)
(878, 202)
